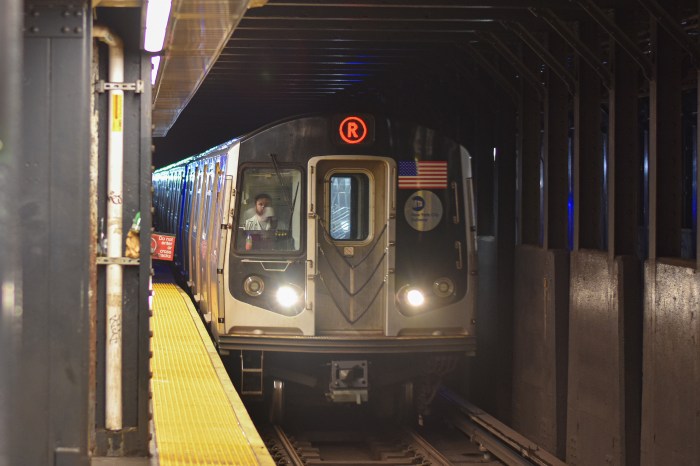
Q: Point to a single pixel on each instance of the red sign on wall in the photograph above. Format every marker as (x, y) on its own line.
(162, 246)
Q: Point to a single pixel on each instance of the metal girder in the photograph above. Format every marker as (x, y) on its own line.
(544, 54)
(677, 33)
(421, 4)
(530, 77)
(492, 70)
(549, 17)
(618, 35)
(350, 12)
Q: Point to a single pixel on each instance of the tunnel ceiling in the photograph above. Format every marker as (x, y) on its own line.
(288, 57)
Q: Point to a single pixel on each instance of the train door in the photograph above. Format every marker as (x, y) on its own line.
(211, 242)
(183, 226)
(205, 240)
(192, 194)
(351, 243)
(194, 228)
(217, 230)
(200, 225)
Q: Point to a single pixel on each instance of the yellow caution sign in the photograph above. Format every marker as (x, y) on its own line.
(118, 112)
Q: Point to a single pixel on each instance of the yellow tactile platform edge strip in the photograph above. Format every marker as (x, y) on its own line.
(199, 417)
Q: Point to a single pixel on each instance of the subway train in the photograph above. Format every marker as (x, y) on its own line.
(332, 253)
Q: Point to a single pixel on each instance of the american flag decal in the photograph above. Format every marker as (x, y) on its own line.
(422, 175)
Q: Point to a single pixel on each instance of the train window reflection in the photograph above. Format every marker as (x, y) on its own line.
(349, 207)
(269, 217)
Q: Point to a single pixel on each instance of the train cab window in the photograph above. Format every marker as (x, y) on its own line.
(269, 210)
(349, 206)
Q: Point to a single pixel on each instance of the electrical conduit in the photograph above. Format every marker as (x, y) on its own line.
(115, 169)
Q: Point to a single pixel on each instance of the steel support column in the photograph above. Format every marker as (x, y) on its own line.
(624, 155)
(132, 439)
(588, 160)
(665, 156)
(11, 423)
(556, 154)
(530, 150)
(54, 212)
(484, 163)
(505, 179)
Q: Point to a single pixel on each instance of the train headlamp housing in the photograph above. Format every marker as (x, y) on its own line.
(253, 285)
(443, 287)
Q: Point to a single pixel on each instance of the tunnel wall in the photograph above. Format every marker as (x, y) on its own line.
(540, 350)
(604, 347)
(671, 397)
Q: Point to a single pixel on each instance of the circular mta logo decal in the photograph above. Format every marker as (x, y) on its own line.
(353, 130)
(423, 210)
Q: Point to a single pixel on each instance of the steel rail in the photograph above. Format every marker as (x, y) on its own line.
(289, 447)
(505, 443)
(428, 448)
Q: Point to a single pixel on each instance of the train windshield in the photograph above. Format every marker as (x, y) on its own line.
(269, 210)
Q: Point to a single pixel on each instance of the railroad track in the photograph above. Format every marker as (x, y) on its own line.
(396, 447)
(493, 436)
(457, 434)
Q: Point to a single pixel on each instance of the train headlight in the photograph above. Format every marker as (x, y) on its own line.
(443, 287)
(414, 297)
(411, 298)
(253, 285)
(288, 296)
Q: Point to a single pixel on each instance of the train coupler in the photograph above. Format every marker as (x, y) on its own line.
(349, 382)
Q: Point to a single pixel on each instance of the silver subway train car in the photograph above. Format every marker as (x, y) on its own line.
(335, 252)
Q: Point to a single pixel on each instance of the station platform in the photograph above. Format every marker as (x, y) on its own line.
(198, 417)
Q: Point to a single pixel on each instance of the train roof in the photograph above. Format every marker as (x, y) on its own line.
(226, 145)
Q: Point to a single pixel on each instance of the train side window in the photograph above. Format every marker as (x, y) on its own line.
(276, 225)
(349, 207)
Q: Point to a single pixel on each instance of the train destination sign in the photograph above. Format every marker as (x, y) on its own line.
(354, 129)
(162, 246)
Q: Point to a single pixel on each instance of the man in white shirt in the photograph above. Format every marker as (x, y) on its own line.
(264, 217)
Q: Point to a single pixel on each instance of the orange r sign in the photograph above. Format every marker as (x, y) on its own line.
(352, 130)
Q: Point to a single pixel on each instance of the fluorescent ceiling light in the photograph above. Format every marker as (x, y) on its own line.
(155, 63)
(157, 14)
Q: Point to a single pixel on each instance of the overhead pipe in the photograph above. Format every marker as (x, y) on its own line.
(115, 175)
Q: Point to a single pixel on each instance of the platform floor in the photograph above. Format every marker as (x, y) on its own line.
(198, 417)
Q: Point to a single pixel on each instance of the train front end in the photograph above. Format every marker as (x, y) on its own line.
(351, 262)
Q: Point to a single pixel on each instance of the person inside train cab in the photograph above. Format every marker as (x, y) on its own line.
(264, 216)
